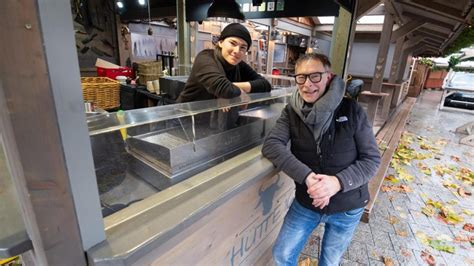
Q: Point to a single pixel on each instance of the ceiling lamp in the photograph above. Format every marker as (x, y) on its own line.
(225, 10)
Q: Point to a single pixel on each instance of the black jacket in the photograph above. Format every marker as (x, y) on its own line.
(347, 150)
(211, 77)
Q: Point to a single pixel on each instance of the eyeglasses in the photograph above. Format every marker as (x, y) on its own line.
(313, 77)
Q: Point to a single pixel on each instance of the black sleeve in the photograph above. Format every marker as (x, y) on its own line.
(209, 75)
(368, 161)
(275, 149)
(257, 82)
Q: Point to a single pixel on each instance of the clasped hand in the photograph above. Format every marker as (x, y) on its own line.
(321, 188)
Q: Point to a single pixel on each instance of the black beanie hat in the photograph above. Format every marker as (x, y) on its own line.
(236, 30)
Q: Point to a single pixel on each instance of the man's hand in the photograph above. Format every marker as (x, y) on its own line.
(321, 188)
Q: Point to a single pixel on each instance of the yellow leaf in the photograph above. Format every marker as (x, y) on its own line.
(467, 212)
(428, 210)
(392, 179)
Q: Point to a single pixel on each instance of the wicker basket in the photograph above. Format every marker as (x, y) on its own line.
(149, 71)
(102, 91)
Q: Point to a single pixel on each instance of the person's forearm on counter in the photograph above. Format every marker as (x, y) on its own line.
(244, 86)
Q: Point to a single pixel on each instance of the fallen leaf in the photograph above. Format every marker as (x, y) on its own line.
(461, 238)
(442, 246)
(405, 176)
(388, 261)
(424, 239)
(468, 227)
(399, 188)
(392, 219)
(442, 142)
(405, 253)
(436, 204)
(455, 158)
(467, 212)
(392, 179)
(428, 258)
(453, 202)
(463, 193)
(307, 262)
(424, 168)
(449, 216)
(428, 210)
(448, 184)
(401, 233)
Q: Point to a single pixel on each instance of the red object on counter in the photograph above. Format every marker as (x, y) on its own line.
(114, 72)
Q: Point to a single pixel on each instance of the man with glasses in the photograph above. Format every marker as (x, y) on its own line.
(333, 155)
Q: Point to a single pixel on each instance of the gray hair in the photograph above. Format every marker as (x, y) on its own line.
(314, 56)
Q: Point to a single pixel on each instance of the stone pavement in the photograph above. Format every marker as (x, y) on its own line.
(397, 226)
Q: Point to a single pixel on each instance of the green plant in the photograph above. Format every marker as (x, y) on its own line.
(426, 61)
(453, 61)
(465, 39)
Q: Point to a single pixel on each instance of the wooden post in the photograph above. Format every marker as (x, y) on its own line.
(39, 77)
(382, 54)
(339, 42)
(379, 69)
(184, 44)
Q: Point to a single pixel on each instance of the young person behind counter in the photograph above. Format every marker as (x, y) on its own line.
(220, 72)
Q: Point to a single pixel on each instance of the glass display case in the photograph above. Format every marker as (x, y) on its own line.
(141, 152)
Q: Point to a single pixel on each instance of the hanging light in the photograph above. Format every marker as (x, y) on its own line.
(225, 10)
(120, 4)
(141, 2)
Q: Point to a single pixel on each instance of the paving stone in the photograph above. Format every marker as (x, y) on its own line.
(401, 215)
(382, 239)
(363, 236)
(312, 246)
(420, 218)
(358, 253)
(403, 229)
(405, 256)
(438, 258)
(441, 228)
(456, 259)
(404, 242)
(363, 227)
(346, 262)
(381, 225)
(377, 253)
(376, 263)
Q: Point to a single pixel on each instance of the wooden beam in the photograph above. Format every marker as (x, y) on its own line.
(396, 60)
(366, 6)
(434, 32)
(427, 19)
(382, 54)
(412, 25)
(437, 9)
(413, 41)
(430, 36)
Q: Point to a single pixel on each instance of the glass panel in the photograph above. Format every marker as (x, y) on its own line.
(102, 123)
(140, 152)
(13, 230)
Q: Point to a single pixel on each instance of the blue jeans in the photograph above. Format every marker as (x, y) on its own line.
(300, 222)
